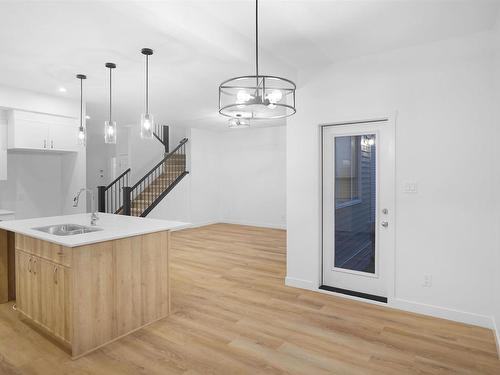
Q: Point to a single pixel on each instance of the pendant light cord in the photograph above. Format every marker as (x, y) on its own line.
(257, 38)
(147, 84)
(257, 41)
(110, 83)
(81, 103)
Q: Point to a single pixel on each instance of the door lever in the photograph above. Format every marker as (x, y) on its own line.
(385, 224)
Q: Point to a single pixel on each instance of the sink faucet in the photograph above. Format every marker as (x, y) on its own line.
(93, 216)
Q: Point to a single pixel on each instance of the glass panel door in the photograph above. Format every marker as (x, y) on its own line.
(355, 202)
(357, 208)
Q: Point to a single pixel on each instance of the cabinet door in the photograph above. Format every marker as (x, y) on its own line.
(28, 285)
(34, 287)
(54, 289)
(31, 135)
(63, 137)
(23, 277)
(62, 300)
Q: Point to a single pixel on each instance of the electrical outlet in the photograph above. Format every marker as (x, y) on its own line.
(427, 281)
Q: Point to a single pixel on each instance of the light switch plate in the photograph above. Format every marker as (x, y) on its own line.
(410, 187)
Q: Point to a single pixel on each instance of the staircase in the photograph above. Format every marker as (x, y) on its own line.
(139, 199)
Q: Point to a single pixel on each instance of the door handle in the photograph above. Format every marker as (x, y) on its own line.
(385, 224)
(29, 265)
(52, 144)
(55, 275)
(44, 143)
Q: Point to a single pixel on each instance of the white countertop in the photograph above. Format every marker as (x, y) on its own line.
(113, 227)
(6, 212)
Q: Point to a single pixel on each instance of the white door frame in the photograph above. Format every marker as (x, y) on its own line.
(391, 252)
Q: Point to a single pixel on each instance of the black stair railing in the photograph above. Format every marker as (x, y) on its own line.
(161, 133)
(110, 198)
(141, 198)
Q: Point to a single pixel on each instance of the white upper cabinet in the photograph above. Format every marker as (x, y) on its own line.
(35, 131)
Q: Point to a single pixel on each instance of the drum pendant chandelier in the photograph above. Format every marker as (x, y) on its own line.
(258, 96)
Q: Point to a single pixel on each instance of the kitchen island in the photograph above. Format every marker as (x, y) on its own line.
(87, 285)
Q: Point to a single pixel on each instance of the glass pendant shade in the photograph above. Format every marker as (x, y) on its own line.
(147, 126)
(81, 136)
(110, 132)
(252, 97)
(238, 123)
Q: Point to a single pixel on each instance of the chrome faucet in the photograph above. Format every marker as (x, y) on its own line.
(93, 216)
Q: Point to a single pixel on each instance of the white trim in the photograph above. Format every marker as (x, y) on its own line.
(201, 224)
(391, 120)
(443, 312)
(253, 224)
(235, 222)
(411, 306)
(299, 283)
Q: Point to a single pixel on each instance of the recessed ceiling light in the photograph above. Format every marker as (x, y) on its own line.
(62, 89)
(87, 117)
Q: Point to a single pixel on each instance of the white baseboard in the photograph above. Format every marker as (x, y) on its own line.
(411, 306)
(443, 312)
(299, 283)
(253, 224)
(201, 224)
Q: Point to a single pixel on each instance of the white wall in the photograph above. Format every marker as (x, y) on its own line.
(445, 141)
(33, 187)
(236, 176)
(196, 198)
(41, 184)
(253, 176)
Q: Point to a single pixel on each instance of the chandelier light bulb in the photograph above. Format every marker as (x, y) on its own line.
(242, 96)
(275, 96)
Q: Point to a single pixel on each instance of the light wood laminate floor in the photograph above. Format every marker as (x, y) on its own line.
(232, 314)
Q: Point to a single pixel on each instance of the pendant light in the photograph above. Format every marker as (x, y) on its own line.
(147, 119)
(257, 96)
(110, 125)
(81, 128)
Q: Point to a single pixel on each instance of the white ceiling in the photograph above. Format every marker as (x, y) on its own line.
(200, 43)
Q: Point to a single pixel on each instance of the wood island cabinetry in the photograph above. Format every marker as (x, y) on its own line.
(90, 295)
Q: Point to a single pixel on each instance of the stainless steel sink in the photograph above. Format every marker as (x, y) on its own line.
(67, 229)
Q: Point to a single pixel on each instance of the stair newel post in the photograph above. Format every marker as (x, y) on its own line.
(101, 198)
(127, 203)
(166, 139)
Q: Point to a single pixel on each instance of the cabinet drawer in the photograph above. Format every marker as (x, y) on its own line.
(43, 249)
